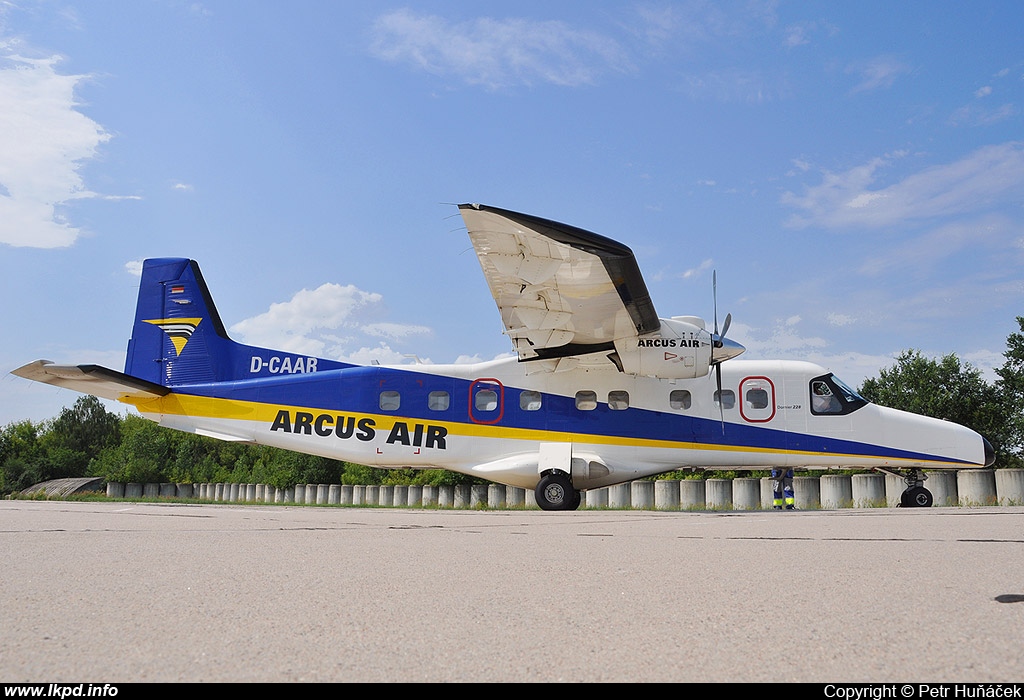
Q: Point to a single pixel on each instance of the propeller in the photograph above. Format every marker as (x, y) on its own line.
(716, 342)
(721, 349)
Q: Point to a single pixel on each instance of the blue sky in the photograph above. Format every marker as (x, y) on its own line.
(854, 172)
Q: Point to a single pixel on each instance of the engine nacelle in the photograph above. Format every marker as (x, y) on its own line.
(678, 350)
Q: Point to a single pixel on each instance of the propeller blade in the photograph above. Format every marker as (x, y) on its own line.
(714, 296)
(721, 401)
(722, 349)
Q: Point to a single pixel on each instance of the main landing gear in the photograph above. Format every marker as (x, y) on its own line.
(555, 492)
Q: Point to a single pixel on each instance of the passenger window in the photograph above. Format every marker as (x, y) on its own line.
(823, 401)
(529, 401)
(757, 398)
(390, 400)
(586, 400)
(725, 398)
(680, 399)
(618, 400)
(438, 401)
(486, 400)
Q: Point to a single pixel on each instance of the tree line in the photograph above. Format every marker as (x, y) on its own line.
(88, 440)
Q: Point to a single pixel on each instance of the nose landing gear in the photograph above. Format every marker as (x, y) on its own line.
(915, 495)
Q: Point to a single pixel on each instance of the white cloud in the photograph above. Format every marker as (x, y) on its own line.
(840, 320)
(879, 72)
(292, 325)
(44, 141)
(975, 115)
(695, 271)
(940, 243)
(381, 355)
(332, 320)
(394, 331)
(497, 52)
(973, 184)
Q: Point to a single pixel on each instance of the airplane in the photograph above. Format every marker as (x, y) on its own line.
(601, 390)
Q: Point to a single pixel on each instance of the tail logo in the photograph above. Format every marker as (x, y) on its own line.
(179, 329)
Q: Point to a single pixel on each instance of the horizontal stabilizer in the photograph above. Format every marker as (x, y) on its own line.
(91, 379)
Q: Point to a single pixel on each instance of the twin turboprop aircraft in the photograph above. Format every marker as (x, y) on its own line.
(602, 391)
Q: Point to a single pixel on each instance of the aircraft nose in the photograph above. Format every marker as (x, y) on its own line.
(723, 349)
(990, 453)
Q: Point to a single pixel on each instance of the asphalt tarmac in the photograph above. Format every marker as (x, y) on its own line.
(138, 592)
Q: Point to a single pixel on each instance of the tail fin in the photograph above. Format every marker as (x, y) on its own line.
(178, 337)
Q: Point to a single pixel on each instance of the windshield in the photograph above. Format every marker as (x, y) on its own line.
(830, 396)
(849, 394)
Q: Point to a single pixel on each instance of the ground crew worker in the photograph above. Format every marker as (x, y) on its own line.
(782, 488)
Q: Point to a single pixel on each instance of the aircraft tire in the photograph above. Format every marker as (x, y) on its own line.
(555, 492)
(916, 497)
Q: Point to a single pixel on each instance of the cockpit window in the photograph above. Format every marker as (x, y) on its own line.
(822, 398)
(829, 396)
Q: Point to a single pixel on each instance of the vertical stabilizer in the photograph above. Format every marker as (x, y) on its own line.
(179, 339)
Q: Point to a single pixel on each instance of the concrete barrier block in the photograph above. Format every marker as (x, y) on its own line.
(976, 487)
(868, 490)
(718, 494)
(620, 496)
(595, 498)
(1010, 486)
(692, 494)
(401, 496)
(496, 496)
(836, 491)
(666, 494)
(942, 484)
(641, 495)
(807, 492)
(515, 497)
(746, 493)
(445, 496)
(414, 496)
(430, 496)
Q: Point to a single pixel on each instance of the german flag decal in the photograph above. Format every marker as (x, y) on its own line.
(179, 329)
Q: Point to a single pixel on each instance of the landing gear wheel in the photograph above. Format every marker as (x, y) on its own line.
(916, 497)
(555, 492)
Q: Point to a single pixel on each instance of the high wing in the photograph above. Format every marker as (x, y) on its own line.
(561, 291)
(91, 379)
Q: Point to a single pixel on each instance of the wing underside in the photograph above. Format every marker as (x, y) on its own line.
(561, 291)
